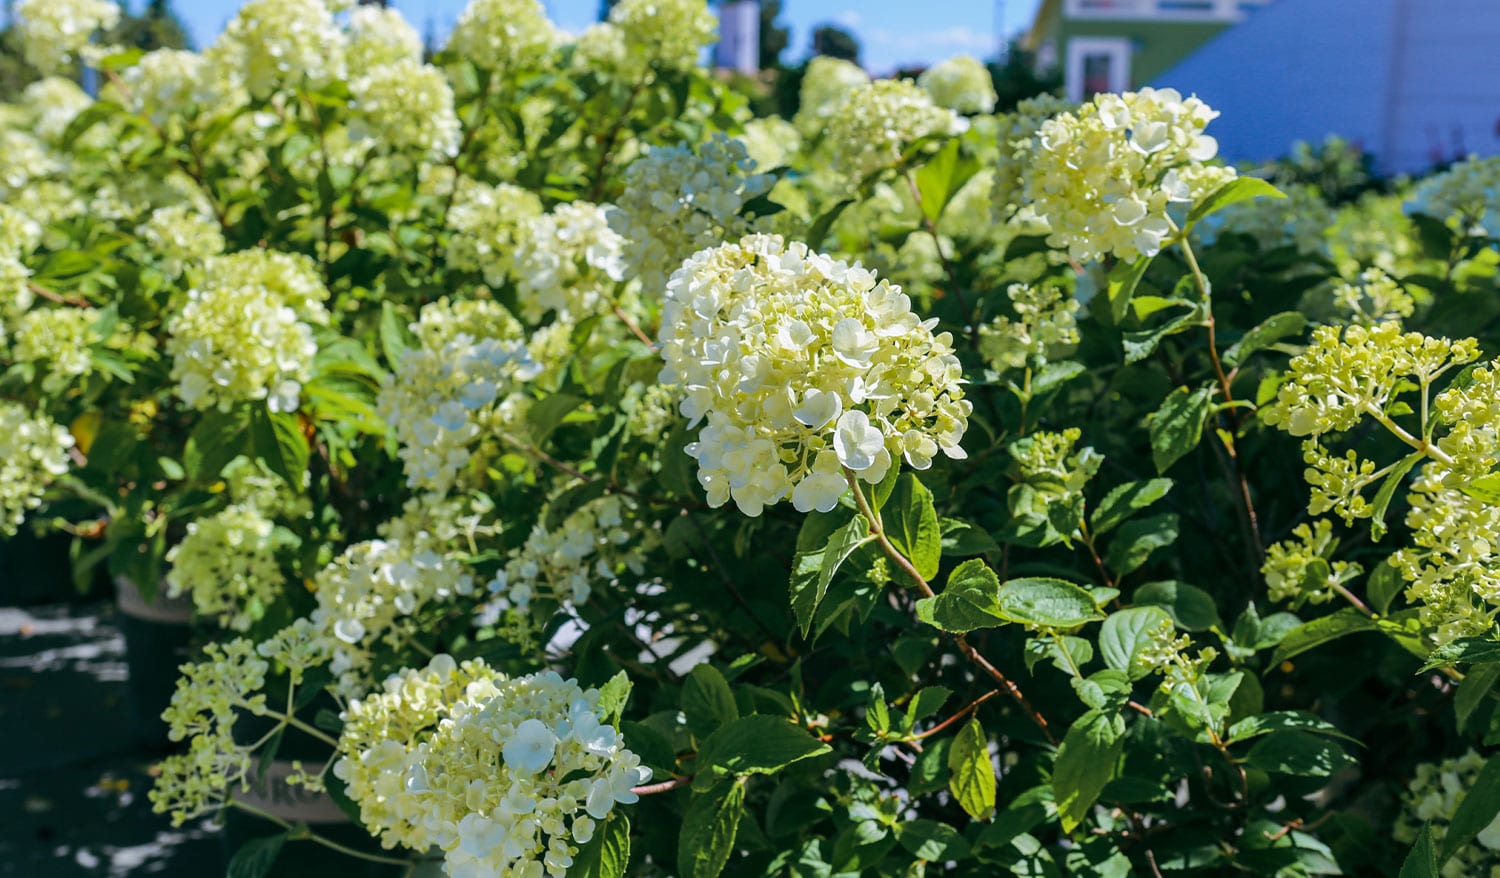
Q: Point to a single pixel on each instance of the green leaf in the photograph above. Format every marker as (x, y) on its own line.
(1177, 426)
(546, 414)
(1485, 489)
(1126, 500)
(1310, 635)
(1283, 721)
(812, 571)
(926, 702)
(276, 438)
(1047, 603)
(1086, 761)
(1123, 279)
(1137, 539)
(1476, 686)
(707, 701)
(1298, 753)
(911, 524)
(1388, 490)
(1237, 190)
(818, 230)
(1384, 584)
(709, 829)
(1422, 861)
(941, 178)
(1472, 650)
(962, 539)
(759, 744)
(613, 695)
(970, 601)
(1125, 633)
(971, 773)
(395, 336)
(219, 438)
(932, 841)
(1266, 333)
(1191, 608)
(607, 854)
(255, 857)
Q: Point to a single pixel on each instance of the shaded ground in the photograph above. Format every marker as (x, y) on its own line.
(73, 773)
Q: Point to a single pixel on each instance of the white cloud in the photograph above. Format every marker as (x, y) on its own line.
(948, 39)
(849, 19)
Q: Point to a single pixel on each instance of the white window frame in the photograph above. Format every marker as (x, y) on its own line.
(1079, 48)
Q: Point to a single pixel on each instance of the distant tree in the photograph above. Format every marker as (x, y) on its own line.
(773, 37)
(835, 42)
(1016, 78)
(605, 6)
(157, 27)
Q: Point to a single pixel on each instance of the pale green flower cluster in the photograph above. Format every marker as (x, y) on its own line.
(1376, 298)
(370, 595)
(24, 161)
(19, 235)
(1166, 654)
(180, 236)
(665, 34)
(770, 141)
(804, 366)
(1300, 220)
(33, 453)
(53, 103)
(60, 341)
(871, 126)
(53, 32)
(824, 85)
(271, 45)
(1102, 178)
(227, 563)
(446, 395)
(245, 333)
(1432, 798)
(1453, 564)
(1466, 195)
(1050, 462)
(503, 34)
(961, 84)
(679, 200)
(1046, 319)
(1301, 570)
(166, 84)
(404, 105)
(420, 759)
(569, 262)
(1373, 232)
(379, 35)
(486, 224)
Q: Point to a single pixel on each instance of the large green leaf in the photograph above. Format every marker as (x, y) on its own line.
(1191, 608)
(1310, 635)
(607, 854)
(1283, 721)
(1047, 603)
(931, 841)
(1125, 633)
(1123, 279)
(1126, 500)
(277, 440)
(813, 569)
(707, 701)
(757, 744)
(943, 175)
(218, 438)
(1137, 539)
(1086, 761)
(1266, 333)
(709, 829)
(911, 524)
(971, 776)
(1480, 806)
(1177, 426)
(1237, 190)
(255, 857)
(970, 600)
(1422, 862)
(1299, 753)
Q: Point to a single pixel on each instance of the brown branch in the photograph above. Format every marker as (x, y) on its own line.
(59, 298)
(950, 721)
(665, 786)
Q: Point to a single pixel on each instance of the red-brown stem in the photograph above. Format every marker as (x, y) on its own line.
(635, 329)
(950, 721)
(59, 298)
(968, 650)
(665, 786)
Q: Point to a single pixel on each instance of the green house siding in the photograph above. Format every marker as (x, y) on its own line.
(1156, 46)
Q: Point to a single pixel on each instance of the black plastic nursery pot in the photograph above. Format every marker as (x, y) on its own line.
(158, 640)
(36, 570)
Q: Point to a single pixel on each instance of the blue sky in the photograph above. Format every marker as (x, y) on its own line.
(892, 33)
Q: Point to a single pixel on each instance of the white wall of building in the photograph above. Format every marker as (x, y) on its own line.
(739, 36)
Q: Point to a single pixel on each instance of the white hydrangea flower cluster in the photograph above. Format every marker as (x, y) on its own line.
(871, 126)
(666, 34)
(60, 340)
(824, 85)
(379, 35)
(445, 395)
(1467, 195)
(503, 34)
(33, 453)
(404, 105)
(1017, 130)
(19, 235)
(227, 563)
(54, 31)
(595, 543)
(486, 224)
(271, 45)
(1376, 298)
(803, 366)
(1301, 570)
(24, 161)
(420, 760)
(679, 200)
(1300, 220)
(166, 83)
(961, 84)
(1046, 318)
(1432, 798)
(179, 236)
(569, 261)
(53, 103)
(371, 594)
(1453, 564)
(244, 333)
(770, 141)
(1102, 177)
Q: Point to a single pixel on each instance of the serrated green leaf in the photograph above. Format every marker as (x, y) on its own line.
(1384, 584)
(545, 415)
(255, 857)
(942, 176)
(276, 438)
(1266, 333)
(1311, 635)
(1422, 861)
(813, 570)
(911, 524)
(1086, 761)
(1177, 426)
(613, 695)
(607, 854)
(1123, 279)
(218, 438)
(1237, 190)
(1047, 603)
(1388, 490)
(818, 230)
(707, 701)
(1125, 633)
(759, 744)
(1137, 539)
(1476, 686)
(1191, 608)
(709, 829)
(931, 841)
(1124, 501)
(1485, 489)
(969, 601)
(1283, 721)
(395, 336)
(1472, 650)
(1298, 753)
(971, 773)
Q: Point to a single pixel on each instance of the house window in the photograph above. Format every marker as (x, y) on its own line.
(1097, 65)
